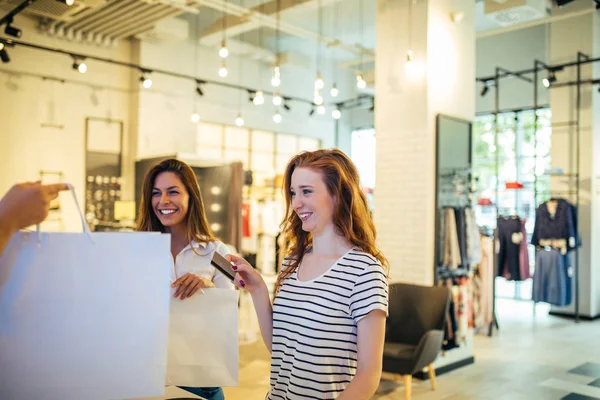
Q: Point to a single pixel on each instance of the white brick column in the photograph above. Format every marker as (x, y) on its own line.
(440, 79)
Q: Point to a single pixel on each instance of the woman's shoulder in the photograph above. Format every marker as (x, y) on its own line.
(358, 257)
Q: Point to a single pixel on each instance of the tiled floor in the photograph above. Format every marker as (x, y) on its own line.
(531, 357)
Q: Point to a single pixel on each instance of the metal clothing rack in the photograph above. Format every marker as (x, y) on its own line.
(574, 177)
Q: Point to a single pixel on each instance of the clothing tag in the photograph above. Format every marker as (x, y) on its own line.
(572, 242)
(517, 237)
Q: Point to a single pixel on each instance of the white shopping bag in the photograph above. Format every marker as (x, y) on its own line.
(203, 340)
(84, 315)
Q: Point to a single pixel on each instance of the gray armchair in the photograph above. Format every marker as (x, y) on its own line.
(414, 330)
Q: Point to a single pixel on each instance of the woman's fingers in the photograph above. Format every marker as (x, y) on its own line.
(192, 288)
(239, 281)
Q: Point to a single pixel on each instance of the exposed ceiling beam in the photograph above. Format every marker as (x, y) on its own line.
(248, 16)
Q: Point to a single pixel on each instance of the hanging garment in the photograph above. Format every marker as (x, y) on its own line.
(441, 237)
(461, 230)
(483, 286)
(554, 225)
(550, 278)
(452, 257)
(509, 238)
(473, 241)
(524, 254)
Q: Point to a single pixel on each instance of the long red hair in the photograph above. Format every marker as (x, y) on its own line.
(351, 215)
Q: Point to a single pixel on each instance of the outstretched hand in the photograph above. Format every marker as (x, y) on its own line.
(246, 276)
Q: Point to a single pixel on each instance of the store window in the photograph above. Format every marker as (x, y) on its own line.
(362, 153)
(510, 172)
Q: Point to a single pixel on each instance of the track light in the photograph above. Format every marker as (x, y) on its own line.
(146, 82)
(336, 114)
(4, 54)
(277, 117)
(199, 90)
(79, 65)
(484, 89)
(259, 98)
(287, 107)
(11, 30)
(312, 111)
(239, 121)
(277, 100)
(549, 80)
(67, 2)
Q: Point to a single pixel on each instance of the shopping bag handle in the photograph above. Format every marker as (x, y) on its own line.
(86, 227)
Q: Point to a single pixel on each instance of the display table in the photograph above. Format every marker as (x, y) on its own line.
(172, 393)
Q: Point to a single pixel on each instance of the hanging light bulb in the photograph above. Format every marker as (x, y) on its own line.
(259, 98)
(334, 91)
(276, 78)
(223, 51)
(336, 114)
(195, 118)
(239, 121)
(321, 109)
(277, 100)
(223, 71)
(277, 117)
(409, 56)
(319, 83)
(318, 99)
(360, 82)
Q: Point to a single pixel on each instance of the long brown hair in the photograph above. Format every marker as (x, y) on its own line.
(351, 215)
(197, 223)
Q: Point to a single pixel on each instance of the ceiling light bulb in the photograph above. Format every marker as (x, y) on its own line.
(259, 98)
(319, 83)
(276, 78)
(409, 56)
(318, 99)
(223, 71)
(277, 117)
(195, 118)
(336, 114)
(334, 91)
(321, 109)
(277, 100)
(239, 121)
(82, 68)
(1, 46)
(69, 2)
(223, 51)
(215, 207)
(360, 82)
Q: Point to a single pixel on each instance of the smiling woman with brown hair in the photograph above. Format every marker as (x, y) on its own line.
(172, 203)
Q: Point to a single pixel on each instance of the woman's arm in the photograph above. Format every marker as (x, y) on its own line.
(250, 279)
(371, 336)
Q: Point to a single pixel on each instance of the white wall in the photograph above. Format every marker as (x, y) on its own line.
(514, 51)
(27, 102)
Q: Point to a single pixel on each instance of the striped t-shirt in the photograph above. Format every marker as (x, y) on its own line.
(314, 347)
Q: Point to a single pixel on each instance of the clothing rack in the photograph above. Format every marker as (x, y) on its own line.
(574, 179)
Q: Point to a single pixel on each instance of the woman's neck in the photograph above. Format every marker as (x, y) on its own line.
(329, 243)
(178, 234)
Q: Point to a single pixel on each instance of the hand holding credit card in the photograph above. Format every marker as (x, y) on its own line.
(223, 265)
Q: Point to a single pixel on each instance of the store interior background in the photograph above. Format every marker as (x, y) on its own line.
(44, 104)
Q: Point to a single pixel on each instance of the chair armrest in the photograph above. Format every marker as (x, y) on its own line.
(428, 349)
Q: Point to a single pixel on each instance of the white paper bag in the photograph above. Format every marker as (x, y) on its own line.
(84, 315)
(203, 340)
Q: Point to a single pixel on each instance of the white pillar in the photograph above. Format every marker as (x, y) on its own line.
(440, 79)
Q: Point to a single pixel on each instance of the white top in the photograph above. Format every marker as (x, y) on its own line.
(195, 258)
(314, 347)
